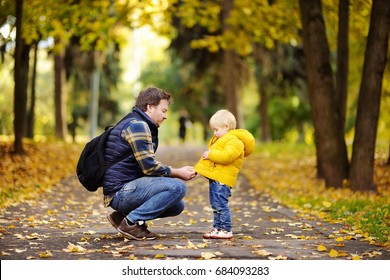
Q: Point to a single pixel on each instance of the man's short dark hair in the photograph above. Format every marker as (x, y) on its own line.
(151, 96)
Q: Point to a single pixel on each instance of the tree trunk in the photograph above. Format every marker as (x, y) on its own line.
(94, 102)
(263, 65)
(31, 110)
(342, 60)
(22, 52)
(388, 159)
(362, 162)
(329, 134)
(230, 79)
(59, 96)
(264, 117)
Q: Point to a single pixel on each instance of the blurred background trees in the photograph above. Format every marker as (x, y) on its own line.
(304, 71)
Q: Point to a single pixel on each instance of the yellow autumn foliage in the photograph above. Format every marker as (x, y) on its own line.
(23, 177)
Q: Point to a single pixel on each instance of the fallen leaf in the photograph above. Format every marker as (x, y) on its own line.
(293, 236)
(262, 253)
(72, 248)
(247, 237)
(20, 250)
(326, 204)
(159, 247)
(207, 255)
(279, 257)
(202, 245)
(322, 248)
(46, 254)
(159, 256)
(333, 253)
(191, 245)
(355, 257)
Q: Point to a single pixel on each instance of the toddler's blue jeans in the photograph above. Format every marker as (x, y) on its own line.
(219, 201)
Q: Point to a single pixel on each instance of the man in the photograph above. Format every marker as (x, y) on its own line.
(140, 188)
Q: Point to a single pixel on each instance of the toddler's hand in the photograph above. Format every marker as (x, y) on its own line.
(205, 155)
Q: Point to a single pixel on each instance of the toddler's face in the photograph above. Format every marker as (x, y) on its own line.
(220, 131)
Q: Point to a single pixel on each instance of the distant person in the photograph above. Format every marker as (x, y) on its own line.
(221, 164)
(183, 123)
(140, 188)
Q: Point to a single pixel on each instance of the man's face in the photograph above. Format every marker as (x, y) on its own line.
(158, 113)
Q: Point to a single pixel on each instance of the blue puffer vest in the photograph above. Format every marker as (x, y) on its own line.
(128, 169)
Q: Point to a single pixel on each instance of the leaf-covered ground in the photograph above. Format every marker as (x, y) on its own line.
(26, 177)
(288, 173)
(60, 220)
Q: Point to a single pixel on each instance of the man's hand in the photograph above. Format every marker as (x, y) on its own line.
(185, 173)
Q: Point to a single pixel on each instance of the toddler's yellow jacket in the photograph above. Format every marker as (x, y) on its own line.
(226, 155)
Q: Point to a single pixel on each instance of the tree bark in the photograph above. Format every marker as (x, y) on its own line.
(59, 96)
(94, 86)
(230, 77)
(388, 159)
(329, 134)
(342, 60)
(362, 162)
(263, 65)
(21, 58)
(31, 110)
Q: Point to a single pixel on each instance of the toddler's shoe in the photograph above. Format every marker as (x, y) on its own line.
(222, 234)
(207, 235)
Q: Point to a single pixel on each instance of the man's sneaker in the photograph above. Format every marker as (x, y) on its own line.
(136, 231)
(115, 218)
(222, 234)
(210, 233)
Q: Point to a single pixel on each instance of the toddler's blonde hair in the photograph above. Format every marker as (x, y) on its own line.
(223, 118)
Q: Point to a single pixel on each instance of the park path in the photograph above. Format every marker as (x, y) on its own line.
(70, 223)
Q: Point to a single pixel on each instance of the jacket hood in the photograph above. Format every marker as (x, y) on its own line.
(247, 138)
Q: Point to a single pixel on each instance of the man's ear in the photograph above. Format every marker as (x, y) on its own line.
(149, 108)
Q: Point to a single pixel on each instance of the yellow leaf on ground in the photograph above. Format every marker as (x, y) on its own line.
(191, 245)
(159, 256)
(159, 247)
(20, 250)
(72, 248)
(279, 257)
(333, 253)
(322, 248)
(339, 239)
(355, 257)
(247, 237)
(326, 204)
(207, 255)
(262, 253)
(293, 236)
(46, 254)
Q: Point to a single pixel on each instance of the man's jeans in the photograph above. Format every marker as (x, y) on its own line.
(219, 200)
(149, 198)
